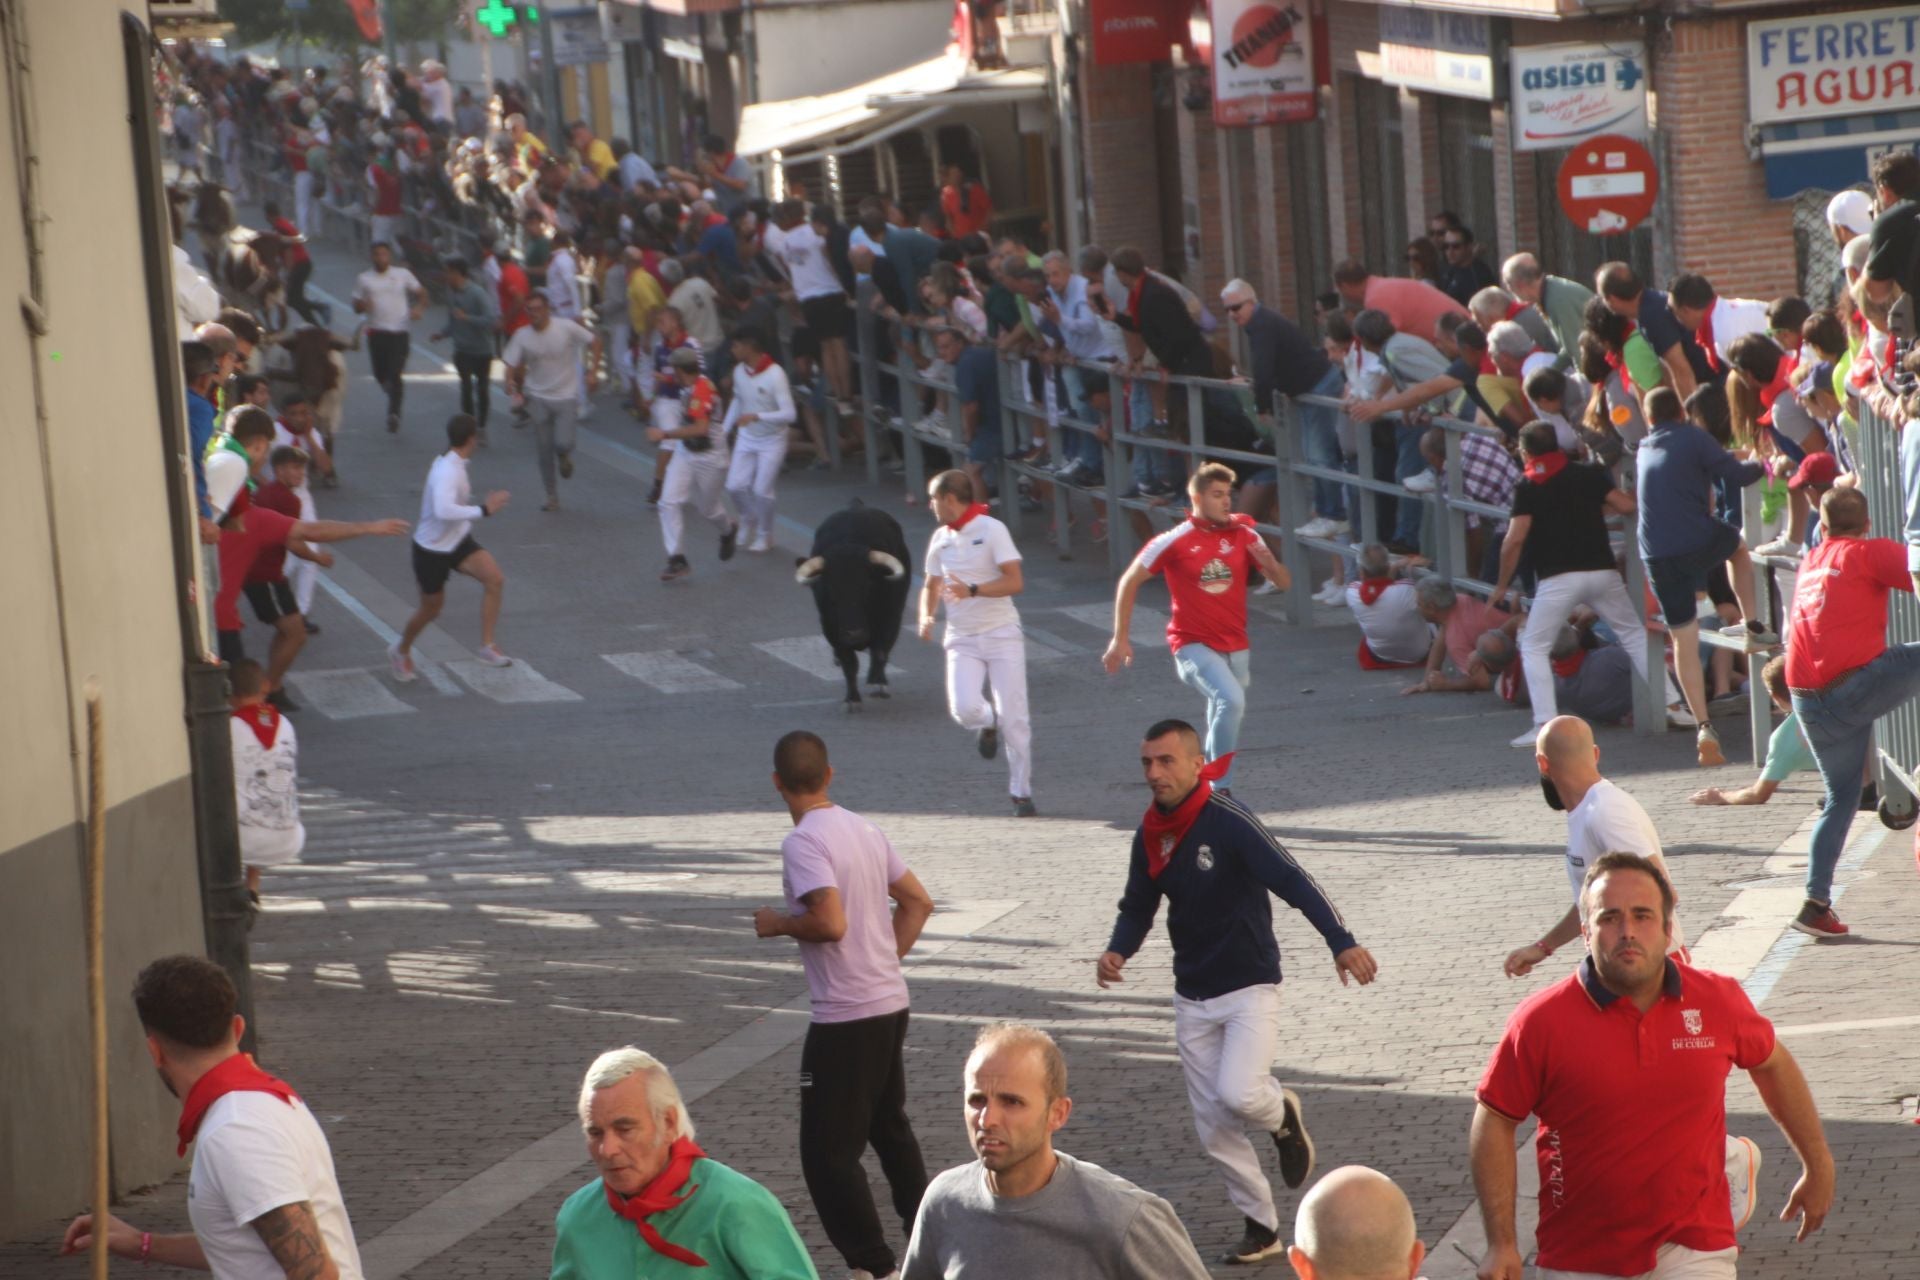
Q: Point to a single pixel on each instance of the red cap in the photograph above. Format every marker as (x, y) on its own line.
(1817, 469)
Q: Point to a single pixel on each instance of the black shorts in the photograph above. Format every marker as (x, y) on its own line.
(828, 316)
(431, 569)
(1678, 580)
(271, 601)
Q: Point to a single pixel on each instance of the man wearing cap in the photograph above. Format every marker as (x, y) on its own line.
(697, 466)
(661, 1206)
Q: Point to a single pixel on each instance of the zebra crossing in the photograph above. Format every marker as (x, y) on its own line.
(1059, 634)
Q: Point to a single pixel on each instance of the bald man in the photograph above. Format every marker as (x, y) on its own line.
(1601, 818)
(1355, 1225)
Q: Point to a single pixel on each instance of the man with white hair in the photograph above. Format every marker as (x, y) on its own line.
(660, 1203)
(436, 91)
(1493, 304)
(1355, 1224)
(1563, 302)
(1392, 632)
(1515, 357)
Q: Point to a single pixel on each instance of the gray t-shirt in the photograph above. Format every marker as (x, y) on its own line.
(1085, 1224)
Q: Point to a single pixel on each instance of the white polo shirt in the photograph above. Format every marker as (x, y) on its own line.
(1392, 624)
(254, 1154)
(385, 293)
(974, 555)
(1608, 820)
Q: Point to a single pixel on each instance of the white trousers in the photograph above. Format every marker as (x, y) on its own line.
(306, 206)
(996, 658)
(752, 476)
(620, 354)
(1672, 1262)
(385, 228)
(1226, 1049)
(666, 416)
(692, 481)
(1554, 600)
(303, 575)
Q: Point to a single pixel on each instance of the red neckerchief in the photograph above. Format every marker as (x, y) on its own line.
(237, 1074)
(976, 509)
(1515, 307)
(1546, 466)
(659, 1196)
(1567, 667)
(1619, 366)
(760, 366)
(1370, 588)
(1133, 297)
(1704, 336)
(1162, 830)
(1782, 376)
(1487, 366)
(261, 717)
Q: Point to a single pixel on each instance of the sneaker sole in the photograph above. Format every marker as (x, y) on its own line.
(1297, 1126)
(1709, 754)
(1812, 932)
(1744, 1213)
(1273, 1250)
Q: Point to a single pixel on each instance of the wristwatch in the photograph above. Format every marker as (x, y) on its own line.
(973, 589)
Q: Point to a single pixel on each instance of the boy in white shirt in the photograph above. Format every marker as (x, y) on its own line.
(973, 566)
(757, 422)
(266, 767)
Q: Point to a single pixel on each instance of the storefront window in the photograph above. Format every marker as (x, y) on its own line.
(1466, 169)
(1383, 178)
(1306, 197)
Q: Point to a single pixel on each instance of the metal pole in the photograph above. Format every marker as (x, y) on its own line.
(97, 967)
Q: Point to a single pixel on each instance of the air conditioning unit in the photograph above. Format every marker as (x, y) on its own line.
(167, 11)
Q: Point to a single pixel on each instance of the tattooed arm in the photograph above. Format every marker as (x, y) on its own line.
(293, 1235)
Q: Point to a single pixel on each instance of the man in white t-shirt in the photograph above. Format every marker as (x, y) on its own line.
(295, 427)
(443, 545)
(759, 417)
(973, 566)
(543, 368)
(823, 300)
(262, 1194)
(1392, 631)
(839, 872)
(391, 299)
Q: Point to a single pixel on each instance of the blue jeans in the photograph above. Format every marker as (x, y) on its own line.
(1320, 444)
(1410, 511)
(1082, 447)
(1150, 466)
(1839, 728)
(1222, 679)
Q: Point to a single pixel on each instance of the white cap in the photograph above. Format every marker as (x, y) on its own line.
(226, 473)
(1852, 210)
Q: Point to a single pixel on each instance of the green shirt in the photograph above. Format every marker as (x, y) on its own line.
(1787, 752)
(731, 1221)
(1643, 365)
(1564, 304)
(231, 445)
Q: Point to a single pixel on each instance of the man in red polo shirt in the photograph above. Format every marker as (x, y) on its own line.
(1843, 676)
(1626, 1062)
(1205, 562)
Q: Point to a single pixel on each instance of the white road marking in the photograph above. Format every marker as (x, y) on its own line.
(516, 683)
(495, 1191)
(813, 655)
(346, 695)
(1149, 629)
(439, 679)
(668, 672)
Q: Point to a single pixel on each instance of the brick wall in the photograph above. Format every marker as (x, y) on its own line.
(1124, 169)
(1724, 226)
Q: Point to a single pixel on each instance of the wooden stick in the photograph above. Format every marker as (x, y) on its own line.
(96, 967)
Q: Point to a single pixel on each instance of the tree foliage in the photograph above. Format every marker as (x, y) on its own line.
(330, 23)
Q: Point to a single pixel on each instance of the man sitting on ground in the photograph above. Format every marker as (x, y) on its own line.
(1459, 622)
(1392, 632)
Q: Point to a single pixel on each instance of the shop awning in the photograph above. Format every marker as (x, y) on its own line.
(1832, 153)
(850, 119)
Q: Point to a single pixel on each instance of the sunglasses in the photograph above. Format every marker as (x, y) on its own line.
(1453, 244)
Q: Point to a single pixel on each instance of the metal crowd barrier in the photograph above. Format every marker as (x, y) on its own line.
(1897, 736)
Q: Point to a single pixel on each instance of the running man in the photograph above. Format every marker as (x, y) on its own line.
(1215, 864)
(1626, 1061)
(443, 542)
(1205, 562)
(669, 335)
(839, 873)
(974, 567)
(391, 299)
(758, 419)
(543, 372)
(696, 468)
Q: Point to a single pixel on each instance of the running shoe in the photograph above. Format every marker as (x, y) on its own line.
(1257, 1244)
(1783, 547)
(761, 544)
(313, 628)
(1293, 1143)
(1421, 482)
(552, 503)
(1679, 717)
(566, 466)
(1023, 807)
(1743, 1178)
(1266, 588)
(989, 743)
(1706, 745)
(1757, 637)
(677, 567)
(1530, 738)
(1817, 920)
(402, 665)
(728, 539)
(1318, 527)
(491, 655)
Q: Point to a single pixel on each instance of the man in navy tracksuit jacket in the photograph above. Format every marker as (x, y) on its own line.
(1215, 864)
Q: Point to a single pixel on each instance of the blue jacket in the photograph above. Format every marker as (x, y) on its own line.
(1219, 918)
(1678, 463)
(200, 417)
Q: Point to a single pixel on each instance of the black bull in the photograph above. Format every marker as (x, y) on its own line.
(860, 582)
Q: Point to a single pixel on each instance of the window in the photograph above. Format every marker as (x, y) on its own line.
(1383, 179)
(1466, 169)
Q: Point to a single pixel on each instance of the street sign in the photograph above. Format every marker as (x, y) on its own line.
(1263, 62)
(1608, 184)
(1564, 94)
(577, 38)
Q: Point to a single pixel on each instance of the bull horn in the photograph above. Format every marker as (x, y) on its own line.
(894, 568)
(809, 570)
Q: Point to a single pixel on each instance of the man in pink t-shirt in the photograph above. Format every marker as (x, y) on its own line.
(1414, 306)
(1459, 622)
(839, 871)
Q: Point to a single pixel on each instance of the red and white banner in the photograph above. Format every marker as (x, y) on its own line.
(1266, 68)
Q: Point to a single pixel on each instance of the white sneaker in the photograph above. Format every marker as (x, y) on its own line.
(1783, 547)
(1743, 1178)
(1318, 527)
(492, 656)
(760, 542)
(1527, 739)
(1423, 482)
(402, 665)
(1681, 718)
(1761, 638)
(1266, 588)
(1331, 594)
